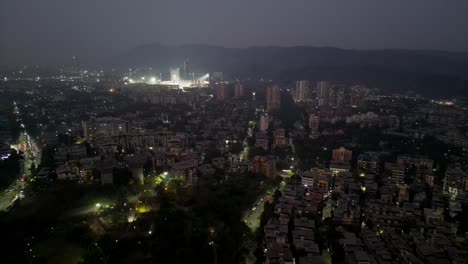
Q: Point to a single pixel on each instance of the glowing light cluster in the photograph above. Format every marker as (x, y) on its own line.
(175, 80)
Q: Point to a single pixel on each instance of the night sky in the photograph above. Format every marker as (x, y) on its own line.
(48, 30)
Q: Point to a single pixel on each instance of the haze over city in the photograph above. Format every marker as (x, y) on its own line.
(52, 30)
(234, 132)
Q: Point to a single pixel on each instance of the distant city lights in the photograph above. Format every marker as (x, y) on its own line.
(174, 80)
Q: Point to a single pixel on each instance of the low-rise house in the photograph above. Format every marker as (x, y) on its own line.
(434, 215)
(186, 169)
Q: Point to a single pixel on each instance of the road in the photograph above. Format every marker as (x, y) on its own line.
(31, 154)
(252, 216)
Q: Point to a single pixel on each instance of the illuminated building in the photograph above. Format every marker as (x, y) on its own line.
(395, 171)
(300, 93)
(416, 160)
(162, 94)
(105, 127)
(279, 138)
(339, 166)
(314, 122)
(262, 141)
(221, 92)
(317, 179)
(175, 76)
(455, 182)
(358, 95)
(175, 81)
(238, 90)
(273, 97)
(264, 121)
(323, 93)
(88, 132)
(336, 95)
(265, 166)
(342, 154)
(186, 169)
(368, 162)
(330, 95)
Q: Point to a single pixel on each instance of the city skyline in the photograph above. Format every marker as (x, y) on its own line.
(234, 132)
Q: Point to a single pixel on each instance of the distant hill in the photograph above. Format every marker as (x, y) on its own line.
(428, 72)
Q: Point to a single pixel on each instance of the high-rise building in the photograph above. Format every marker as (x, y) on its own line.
(279, 138)
(330, 95)
(262, 141)
(186, 69)
(264, 122)
(358, 95)
(175, 75)
(314, 122)
(265, 165)
(336, 95)
(323, 93)
(342, 154)
(221, 92)
(238, 90)
(300, 93)
(273, 97)
(88, 131)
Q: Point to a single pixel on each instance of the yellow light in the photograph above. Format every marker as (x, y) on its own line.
(143, 209)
